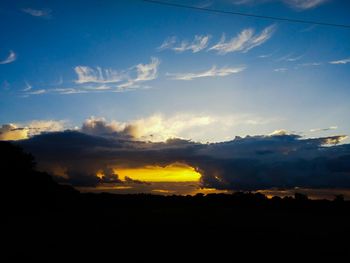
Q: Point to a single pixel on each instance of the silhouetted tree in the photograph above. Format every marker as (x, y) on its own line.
(339, 198)
(300, 197)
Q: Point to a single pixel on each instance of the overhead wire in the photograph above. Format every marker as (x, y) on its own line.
(220, 11)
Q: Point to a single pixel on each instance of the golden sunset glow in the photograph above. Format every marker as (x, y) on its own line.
(176, 172)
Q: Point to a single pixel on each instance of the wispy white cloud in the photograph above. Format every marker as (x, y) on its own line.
(198, 43)
(168, 43)
(280, 70)
(38, 12)
(67, 91)
(296, 4)
(311, 64)
(237, 43)
(144, 72)
(304, 4)
(246, 2)
(244, 41)
(36, 92)
(28, 87)
(324, 129)
(258, 40)
(147, 71)
(290, 58)
(11, 58)
(205, 4)
(98, 80)
(266, 55)
(341, 61)
(90, 75)
(213, 72)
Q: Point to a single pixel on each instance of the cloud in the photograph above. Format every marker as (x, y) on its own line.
(46, 13)
(100, 80)
(304, 4)
(199, 43)
(280, 70)
(89, 75)
(244, 41)
(339, 62)
(259, 162)
(244, 2)
(129, 180)
(290, 58)
(11, 58)
(36, 92)
(142, 72)
(168, 43)
(311, 64)
(156, 127)
(100, 127)
(23, 131)
(28, 87)
(324, 129)
(147, 71)
(266, 55)
(213, 72)
(296, 4)
(9, 132)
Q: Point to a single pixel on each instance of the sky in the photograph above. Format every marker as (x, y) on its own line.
(152, 72)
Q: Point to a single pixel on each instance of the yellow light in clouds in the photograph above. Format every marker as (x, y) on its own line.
(176, 172)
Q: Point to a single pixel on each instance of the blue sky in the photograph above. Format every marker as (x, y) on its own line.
(63, 62)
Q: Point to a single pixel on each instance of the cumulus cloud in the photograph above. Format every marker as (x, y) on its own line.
(213, 72)
(9, 132)
(244, 41)
(38, 12)
(100, 127)
(340, 62)
(250, 163)
(11, 58)
(198, 127)
(23, 131)
(155, 128)
(200, 42)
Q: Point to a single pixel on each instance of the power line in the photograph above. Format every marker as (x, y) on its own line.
(218, 11)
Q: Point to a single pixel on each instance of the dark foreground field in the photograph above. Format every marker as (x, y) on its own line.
(48, 222)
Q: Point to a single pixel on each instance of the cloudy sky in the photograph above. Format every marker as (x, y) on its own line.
(136, 72)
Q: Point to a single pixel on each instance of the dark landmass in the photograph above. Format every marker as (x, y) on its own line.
(46, 221)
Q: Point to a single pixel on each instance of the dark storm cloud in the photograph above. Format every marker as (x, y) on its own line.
(250, 163)
(81, 156)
